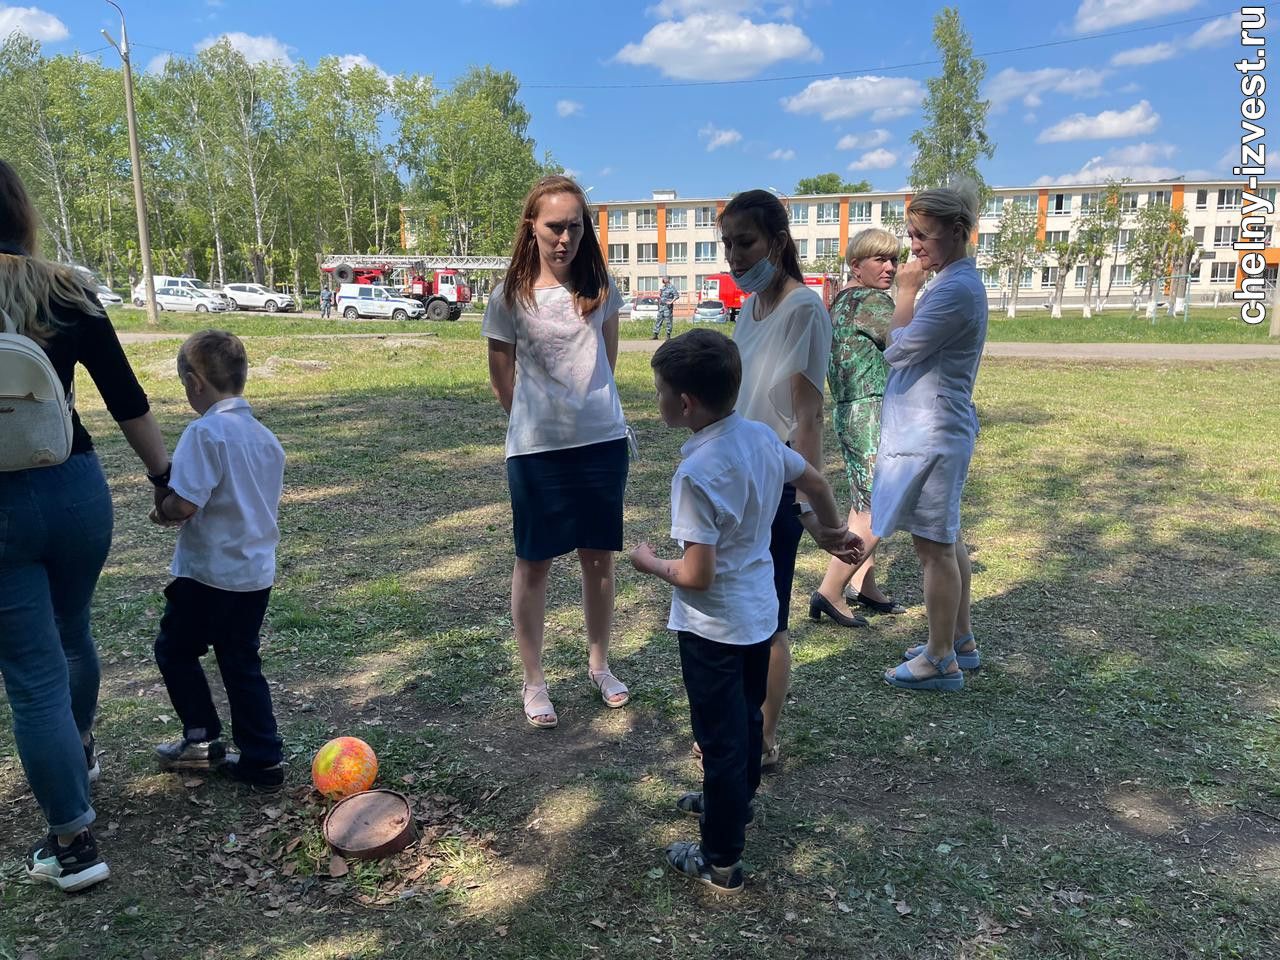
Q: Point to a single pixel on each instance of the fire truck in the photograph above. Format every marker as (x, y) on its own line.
(439, 283)
(824, 285)
(720, 286)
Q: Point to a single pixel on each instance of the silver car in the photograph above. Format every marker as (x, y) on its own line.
(710, 311)
(645, 308)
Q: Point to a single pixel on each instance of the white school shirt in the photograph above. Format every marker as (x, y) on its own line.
(725, 492)
(794, 338)
(565, 395)
(232, 468)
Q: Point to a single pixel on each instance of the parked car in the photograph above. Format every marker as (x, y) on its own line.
(108, 297)
(190, 283)
(711, 311)
(374, 300)
(645, 308)
(254, 296)
(624, 311)
(190, 301)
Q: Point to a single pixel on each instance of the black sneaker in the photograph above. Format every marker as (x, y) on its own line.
(691, 803)
(187, 754)
(265, 779)
(687, 858)
(70, 868)
(91, 759)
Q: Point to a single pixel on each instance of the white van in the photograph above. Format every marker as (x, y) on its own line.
(187, 283)
(374, 300)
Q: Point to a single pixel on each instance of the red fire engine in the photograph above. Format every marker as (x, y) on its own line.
(442, 290)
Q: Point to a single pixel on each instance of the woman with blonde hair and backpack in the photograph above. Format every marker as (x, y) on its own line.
(55, 527)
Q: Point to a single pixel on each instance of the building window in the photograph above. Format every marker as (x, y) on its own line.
(990, 276)
(1225, 236)
(1122, 240)
(860, 211)
(617, 220)
(704, 216)
(680, 283)
(704, 251)
(698, 281)
(1120, 275)
(987, 242)
(1089, 200)
(1162, 198)
(677, 253)
(1198, 235)
(828, 247)
(1048, 277)
(677, 218)
(647, 218)
(1224, 272)
(799, 213)
(828, 213)
(994, 207)
(1082, 273)
(1054, 237)
(1268, 194)
(619, 252)
(1059, 203)
(1025, 200)
(1027, 277)
(1128, 201)
(802, 249)
(892, 210)
(1202, 199)
(646, 253)
(647, 285)
(1229, 199)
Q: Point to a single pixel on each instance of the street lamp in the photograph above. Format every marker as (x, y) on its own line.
(135, 161)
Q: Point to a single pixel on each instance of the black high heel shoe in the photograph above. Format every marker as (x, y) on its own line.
(818, 605)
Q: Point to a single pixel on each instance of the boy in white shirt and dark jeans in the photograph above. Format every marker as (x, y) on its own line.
(224, 489)
(724, 608)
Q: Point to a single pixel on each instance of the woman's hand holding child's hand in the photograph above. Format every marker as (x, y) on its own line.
(643, 557)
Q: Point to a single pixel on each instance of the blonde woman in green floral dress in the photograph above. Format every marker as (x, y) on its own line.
(860, 318)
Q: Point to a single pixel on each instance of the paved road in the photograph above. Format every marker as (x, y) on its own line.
(1049, 351)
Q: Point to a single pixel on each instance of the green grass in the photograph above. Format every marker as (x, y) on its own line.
(1105, 787)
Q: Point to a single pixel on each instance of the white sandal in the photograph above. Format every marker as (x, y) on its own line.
(610, 686)
(537, 706)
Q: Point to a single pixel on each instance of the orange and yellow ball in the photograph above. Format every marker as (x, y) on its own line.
(343, 766)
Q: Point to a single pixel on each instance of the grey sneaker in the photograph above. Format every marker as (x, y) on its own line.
(187, 754)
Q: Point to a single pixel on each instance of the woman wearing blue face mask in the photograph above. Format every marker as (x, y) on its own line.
(784, 336)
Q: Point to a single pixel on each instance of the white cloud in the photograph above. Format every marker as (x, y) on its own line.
(35, 23)
(1136, 162)
(863, 141)
(1215, 31)
(718, 46)
(781, 154)
(717, 138)
(1107, 125)
(885, 97)
(878, 159)
(1097, 15)
(674, 9)
(1139, 56)
(1029, 86)
(503, 3)
(254, 49)
(605, 171)
(567, 108)
(571, 173)
(349, 61)
(156, 64)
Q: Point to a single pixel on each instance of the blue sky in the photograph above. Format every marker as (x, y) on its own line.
(618, 90)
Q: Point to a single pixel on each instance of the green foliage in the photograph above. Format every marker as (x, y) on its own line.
(954, 135)
(1017, 246)
(830, 183)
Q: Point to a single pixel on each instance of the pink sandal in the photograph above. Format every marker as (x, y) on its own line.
(610, 686)
(537, 706)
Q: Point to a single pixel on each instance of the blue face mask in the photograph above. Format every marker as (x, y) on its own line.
(757, 278)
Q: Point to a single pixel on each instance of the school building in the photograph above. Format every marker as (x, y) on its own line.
(677, 237)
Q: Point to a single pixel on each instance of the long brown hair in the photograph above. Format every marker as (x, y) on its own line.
(588, 275)
(770, 217)
(27, 283)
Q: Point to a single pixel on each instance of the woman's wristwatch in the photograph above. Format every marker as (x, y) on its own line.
(160, 480)
(800, 509)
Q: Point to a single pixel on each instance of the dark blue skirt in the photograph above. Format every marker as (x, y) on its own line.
(564, 500)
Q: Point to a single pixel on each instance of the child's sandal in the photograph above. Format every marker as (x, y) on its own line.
(610, 686)
(537, 707)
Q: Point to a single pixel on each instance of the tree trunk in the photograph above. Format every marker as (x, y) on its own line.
(1015, 282)
(1058, 289)
(1087, 311)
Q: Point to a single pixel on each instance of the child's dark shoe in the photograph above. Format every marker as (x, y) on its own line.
(687, 859)
(264, 779)
(187, 754)
(691, 803)
(74, 867)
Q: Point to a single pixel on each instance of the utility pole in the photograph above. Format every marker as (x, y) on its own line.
(135, 161)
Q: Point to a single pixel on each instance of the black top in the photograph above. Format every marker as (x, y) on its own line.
(91, 340)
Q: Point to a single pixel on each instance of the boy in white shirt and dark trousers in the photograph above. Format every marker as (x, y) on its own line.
(224, 489)
(724, 608)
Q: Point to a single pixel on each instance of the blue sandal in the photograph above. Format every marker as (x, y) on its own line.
(966, 660)
(901, 676)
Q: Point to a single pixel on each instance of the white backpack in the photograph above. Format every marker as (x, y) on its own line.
(35, 413)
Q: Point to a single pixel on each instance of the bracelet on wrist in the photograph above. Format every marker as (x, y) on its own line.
(161, 480)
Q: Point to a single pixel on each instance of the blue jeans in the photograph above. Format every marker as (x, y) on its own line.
(55, 531)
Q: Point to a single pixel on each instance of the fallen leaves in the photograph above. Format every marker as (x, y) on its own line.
(337, 866)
